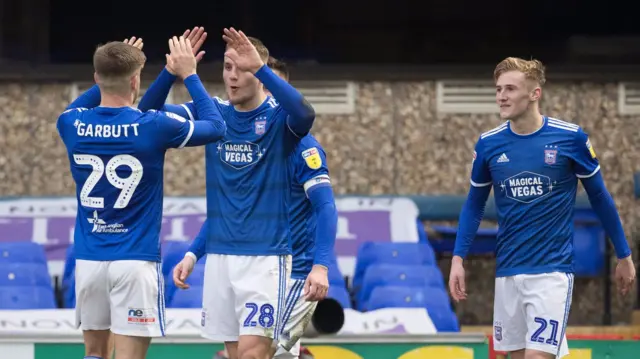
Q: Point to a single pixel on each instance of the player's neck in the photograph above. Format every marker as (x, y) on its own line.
(251, 104)
(113, 100)
(528, 123)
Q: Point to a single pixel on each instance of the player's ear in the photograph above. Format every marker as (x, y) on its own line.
(536, 94)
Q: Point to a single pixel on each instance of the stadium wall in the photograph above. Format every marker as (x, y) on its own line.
(396, 142)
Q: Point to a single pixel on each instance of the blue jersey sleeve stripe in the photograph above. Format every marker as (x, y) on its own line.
(475, 184)
(189, 134)
(590, 174)
(186, 108)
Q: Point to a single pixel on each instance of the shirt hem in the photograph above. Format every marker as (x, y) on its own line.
(537, 270)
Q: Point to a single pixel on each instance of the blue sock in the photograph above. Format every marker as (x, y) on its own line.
(92, 357)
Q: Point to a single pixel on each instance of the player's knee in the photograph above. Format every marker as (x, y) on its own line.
(536, 354)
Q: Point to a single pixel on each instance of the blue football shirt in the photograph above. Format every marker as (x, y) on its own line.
(117, 162)
(535, 180)
(248, 180)
(308, 164)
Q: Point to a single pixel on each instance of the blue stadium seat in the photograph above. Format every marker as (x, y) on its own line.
(22, 252)
(68, 279)
(37, 297)
(335, 275)
(28, 274)
(434, 299)
(340, 294)
(378, 275)
(196, 279)
(187, 298)
(409, 253)
(173, 253)
(589, 250)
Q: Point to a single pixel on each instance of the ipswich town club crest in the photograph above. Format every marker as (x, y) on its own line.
(260, 127)
(550, 156)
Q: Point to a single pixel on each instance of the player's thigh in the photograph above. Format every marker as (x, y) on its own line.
(219, 320)
(509, 321)
(92, 295)
(260, 287)
(131, 347)
(547, 300)
(137, 298)
(297, 315)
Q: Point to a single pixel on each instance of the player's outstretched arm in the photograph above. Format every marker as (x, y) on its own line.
(156, 95)
(244, 54)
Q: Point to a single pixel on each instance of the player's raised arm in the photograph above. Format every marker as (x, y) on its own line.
(212, 127)
(587, 168)
(156, 95)
(469, 220)
(241, 51)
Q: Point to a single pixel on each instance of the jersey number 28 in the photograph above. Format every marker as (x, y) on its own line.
(126, 185)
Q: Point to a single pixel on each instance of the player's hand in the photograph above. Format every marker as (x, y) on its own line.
(241, 51)
(317, 284)
(196, 37)
(180, 61)
(135, 42)
(625, 274)
(457, 285)
(182, 271)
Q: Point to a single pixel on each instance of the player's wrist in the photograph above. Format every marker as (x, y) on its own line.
(320, 267)
(257, 68)
(457, 260)
(192, 256)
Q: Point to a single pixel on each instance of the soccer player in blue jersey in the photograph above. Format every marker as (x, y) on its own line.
(248, 191)
(533, 163)
(116, 155)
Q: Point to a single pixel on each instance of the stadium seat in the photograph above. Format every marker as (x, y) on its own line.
(187, 298)
(409, 253)
(173, 253)
(335, 275)
(195, 279)
(68, 279)
(434, 299)
(28, 274)
(341, 295)
(589, 250)
(398, 275)
(24, 297)
(22, 252)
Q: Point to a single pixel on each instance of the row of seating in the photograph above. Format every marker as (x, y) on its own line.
(388, 275)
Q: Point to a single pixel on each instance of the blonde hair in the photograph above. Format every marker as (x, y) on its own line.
(115, 63)
(532, 69)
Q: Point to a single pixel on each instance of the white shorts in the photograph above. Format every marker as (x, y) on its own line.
(244, 295)
(531, 311)
(297, 316)
(124, 296)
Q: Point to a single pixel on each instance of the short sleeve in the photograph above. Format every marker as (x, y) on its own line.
(310, 166)
(585, 162)
(174, 131)
(480, 174)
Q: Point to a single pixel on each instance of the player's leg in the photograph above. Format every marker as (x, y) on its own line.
(509, 321)
(92, 307)
(137, 306)
(547, 301)
(219, 322)
(260, 287)
(295, 319)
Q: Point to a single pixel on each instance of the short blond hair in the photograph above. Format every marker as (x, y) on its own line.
(115, 63)
(532, 69)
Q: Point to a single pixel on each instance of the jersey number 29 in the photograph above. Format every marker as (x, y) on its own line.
(126, 185)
